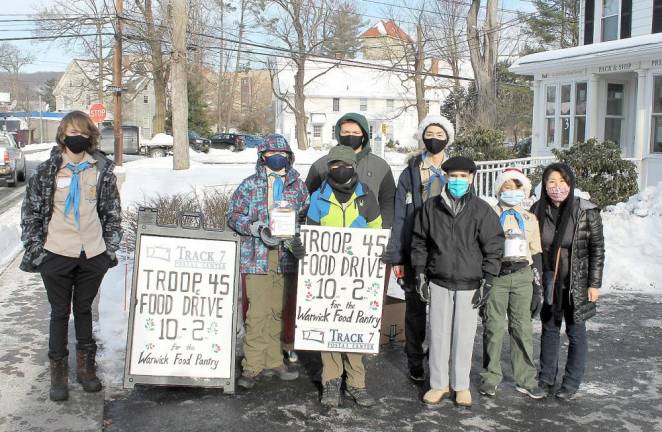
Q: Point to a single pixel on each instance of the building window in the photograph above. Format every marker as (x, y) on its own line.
(656, 135)
(657, 16)
(565, 114)
(371, 131)
(390, 103)
(333, 132)
(145, 99)
(589, 13)
(609, 20)
(626, 18)
(336, 104)
(427, 106)
(614, 116)
(317, 131)
(364, 104)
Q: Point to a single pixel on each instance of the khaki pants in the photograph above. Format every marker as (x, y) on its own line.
(333, 364)
(265, 293)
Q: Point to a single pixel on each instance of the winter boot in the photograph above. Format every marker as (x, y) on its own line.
(360, 396)
(59, 379)
(463, 398)
(86, 369)
(331, 393)
(434, 396)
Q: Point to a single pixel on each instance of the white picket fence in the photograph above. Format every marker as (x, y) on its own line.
(488, 171)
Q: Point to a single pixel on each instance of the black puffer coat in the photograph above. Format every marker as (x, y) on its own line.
(587, 257)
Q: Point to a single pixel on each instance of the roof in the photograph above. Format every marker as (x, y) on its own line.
(387, 28)
(34, 114)
(630, 49)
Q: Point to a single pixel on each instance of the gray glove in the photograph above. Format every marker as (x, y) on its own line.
(256, 228)
(267, 239)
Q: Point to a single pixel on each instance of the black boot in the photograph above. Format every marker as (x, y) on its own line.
(86, 369)
(59, 379)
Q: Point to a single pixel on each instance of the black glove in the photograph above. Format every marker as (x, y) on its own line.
(296, 247)
(482, 294)
(113, 259)
(422, 287)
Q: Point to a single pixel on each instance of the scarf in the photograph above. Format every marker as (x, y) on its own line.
(436, 174)
(278, 186)
(518, 217)
(73, 199)
(343, 192)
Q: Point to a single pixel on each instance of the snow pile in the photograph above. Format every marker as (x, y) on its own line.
(10, 235)
(633, 242)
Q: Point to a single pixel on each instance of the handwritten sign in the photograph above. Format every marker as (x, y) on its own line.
(340, 289)
(182, 322)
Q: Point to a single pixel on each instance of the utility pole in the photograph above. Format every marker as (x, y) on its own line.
(219, 95)
(117, 84)
(178, 23)
(41, 122)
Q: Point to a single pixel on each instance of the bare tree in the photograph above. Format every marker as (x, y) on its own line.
(178, 19)
(301, 26)
(483, 54)
(82, 24)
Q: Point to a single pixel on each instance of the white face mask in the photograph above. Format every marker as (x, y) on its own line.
(512, 198)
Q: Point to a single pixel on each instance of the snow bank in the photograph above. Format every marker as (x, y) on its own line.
(633, 242)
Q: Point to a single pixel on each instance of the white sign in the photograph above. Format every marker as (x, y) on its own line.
(340, 289)
(182, 323)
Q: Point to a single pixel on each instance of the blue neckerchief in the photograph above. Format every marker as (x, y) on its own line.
(73, 199)
(518, 217)
(436, 174)
(278, 186)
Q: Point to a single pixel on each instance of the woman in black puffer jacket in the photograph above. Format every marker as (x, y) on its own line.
(573, 261)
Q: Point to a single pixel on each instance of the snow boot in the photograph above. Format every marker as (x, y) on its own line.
(59, 379)
(86, 369)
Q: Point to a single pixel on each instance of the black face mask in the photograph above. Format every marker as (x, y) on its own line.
(352, 141)
(77, 143)
(435, 145)
(341, 175)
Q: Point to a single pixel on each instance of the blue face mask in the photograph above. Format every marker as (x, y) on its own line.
(458, 187)
(276, 162)
(512, 198)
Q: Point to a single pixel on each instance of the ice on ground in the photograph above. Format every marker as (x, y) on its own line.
(10, 235)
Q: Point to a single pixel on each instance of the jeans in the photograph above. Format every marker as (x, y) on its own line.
(550, 344)
(64, 278)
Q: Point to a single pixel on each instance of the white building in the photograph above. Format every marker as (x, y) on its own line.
(609, 88)
(77, 90)
(385, 97)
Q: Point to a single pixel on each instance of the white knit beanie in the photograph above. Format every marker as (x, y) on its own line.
(431, 119)
(513, 173)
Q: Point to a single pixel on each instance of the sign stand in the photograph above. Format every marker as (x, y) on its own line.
(183, 311)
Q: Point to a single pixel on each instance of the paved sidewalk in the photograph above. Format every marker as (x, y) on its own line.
(24, 376)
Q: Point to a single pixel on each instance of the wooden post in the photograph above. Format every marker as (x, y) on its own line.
(178, 23)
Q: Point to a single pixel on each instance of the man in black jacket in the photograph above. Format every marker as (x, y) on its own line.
(457, 246)
(423, 179)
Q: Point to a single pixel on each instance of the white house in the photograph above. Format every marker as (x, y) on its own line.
(77, 90)
(386, 98)
(609, 87)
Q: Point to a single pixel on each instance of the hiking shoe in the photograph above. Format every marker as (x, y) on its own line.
(488, 389)
(247, 380)
(536, 392)
(463, 398)
(417, 374)
(434, 396)
(360, 396)
(565, 394)
(282, 372)
(331, 393)
(547, 388)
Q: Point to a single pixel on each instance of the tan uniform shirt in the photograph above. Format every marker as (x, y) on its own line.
(426, 173)
(64, 237)
(530, 225)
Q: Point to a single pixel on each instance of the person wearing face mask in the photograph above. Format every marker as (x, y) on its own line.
(353, 131)
(456, 250)
(423, 179)
(268, 264)
(516, 295)
(573, 261)
(71, 222)
(343, 201)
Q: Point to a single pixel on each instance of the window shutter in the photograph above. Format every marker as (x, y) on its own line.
(589, 12)
(657, 16)
(626, 19)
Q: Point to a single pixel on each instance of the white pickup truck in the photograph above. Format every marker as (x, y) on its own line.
(12, 160)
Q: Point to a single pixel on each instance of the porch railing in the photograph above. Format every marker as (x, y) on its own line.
(488, 171)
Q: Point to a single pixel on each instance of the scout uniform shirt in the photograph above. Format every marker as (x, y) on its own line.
(530, 226)
(64, 237)
(426, 172)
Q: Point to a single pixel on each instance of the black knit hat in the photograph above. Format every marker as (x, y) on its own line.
(459, 163)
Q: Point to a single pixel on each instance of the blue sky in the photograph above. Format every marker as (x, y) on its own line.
(50, 56)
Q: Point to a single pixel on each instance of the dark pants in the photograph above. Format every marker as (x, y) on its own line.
(415, 322)
(63, 278)
(550, 344)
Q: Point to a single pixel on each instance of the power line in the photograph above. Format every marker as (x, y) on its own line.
(53, 37)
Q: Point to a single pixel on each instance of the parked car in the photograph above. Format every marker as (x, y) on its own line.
(159, 146)
(130, 137)
(198, 143)
(228, 141)
(251, 141)
(12, 160)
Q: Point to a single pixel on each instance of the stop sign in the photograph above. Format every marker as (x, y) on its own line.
(97, 112)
